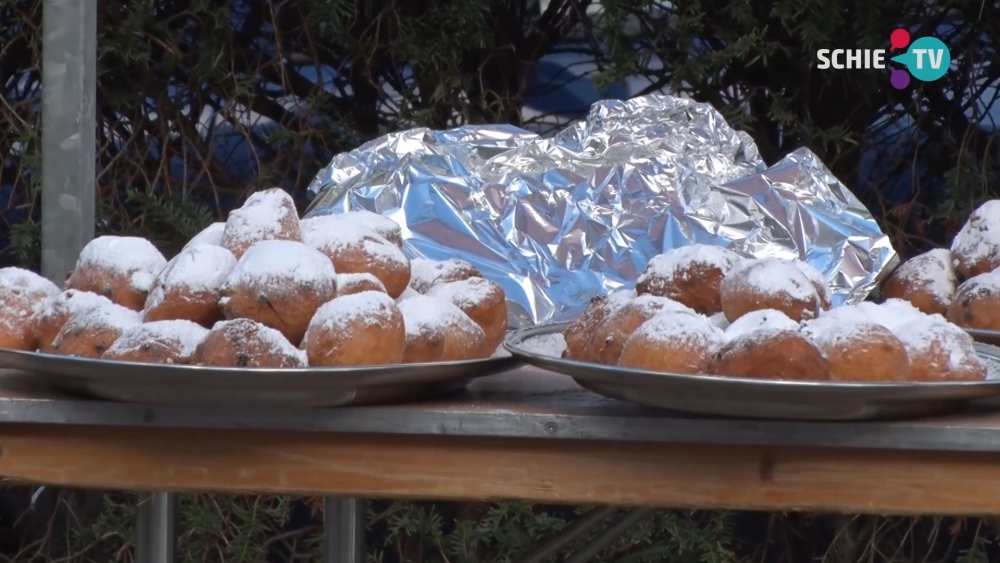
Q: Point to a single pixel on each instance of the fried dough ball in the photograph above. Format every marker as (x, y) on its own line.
(384, 226)
(610, 336)
(691, 275)
(50, 319)
(119, 268)
(356, 330)
(246, 344)
(941, 351)
(349, 284)
(356, 249)
(977, 303)
(672, 342)
(22, 295)
(579, 334)
(976, 248)
(818, 281)
(281, 284)
(266, 215)
(211, 234)
(437, 331)
(762, 319)
(928, 281)
(753, 285)
(859, 350)
(408, 293)
(90, 332)
(188, 289)
(425, 273)
(483, 301)
(768, 353)
(160, 342)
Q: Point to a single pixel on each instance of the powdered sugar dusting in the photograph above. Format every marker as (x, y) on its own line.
(770, 276)
(20, 283)
(355, 279)
(110, 316)
(133, 258)
(333, 234)
(425, 314)
(979, 238)
(211, 234)
(550, 345)
(198, 268)
(185, 335)
(719, 321)
(931, 272)
(653, 304)
(618, 299)
(465, 293)
(262, 217)
(425, 273)
(368, 307)
(379, 223)
(829, 331)
(70, 302)
(671, 326)
(408, 293)
(920, 336)
(273, 265)
(815, 277)
(764, 319)
(675, 262)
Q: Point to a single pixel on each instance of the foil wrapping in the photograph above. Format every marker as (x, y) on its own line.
(556, 221)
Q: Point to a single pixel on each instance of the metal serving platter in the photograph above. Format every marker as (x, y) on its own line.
(985, 336)
(760, 398)
(166, 384)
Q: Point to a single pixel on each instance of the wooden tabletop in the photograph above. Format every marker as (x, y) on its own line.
(526, 434)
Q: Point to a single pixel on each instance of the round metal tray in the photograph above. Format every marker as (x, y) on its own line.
(760, 398)
(985, 336)
(166, 384)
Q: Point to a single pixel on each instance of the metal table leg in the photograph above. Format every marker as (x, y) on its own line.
(343, 530)
(69, 79)
(155, 536)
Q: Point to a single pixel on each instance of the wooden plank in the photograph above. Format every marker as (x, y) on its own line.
(458, 468)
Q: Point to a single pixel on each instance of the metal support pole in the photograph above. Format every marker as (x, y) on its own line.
(155, 536)
(343, 530)
(69, 91)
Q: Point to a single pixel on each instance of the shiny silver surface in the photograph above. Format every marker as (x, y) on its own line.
(985, 336)
(164, 384)
(557, 221)
(761, 398)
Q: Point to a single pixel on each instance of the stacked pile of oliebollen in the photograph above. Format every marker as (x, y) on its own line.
(706, 310)
(262, 290)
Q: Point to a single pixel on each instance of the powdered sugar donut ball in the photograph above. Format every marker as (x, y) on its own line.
(189, 287)
(211, 234)
(858, 349)
(691, 275)
(977, 303)
(976, 248)
(349, 284)
(437, 331)
(160, 342)
(610, 336)
(483, 301)
(50, 319)
(818, 281)
(22, 295)
(579, 334)
(355, 249)
(266, 215)
(893, 313)
(941, 351)
(763, 319)
(753, 285)
(774, 350)
(672, 342)
(281, 284)
(246, 344)
(119, 268)
(425, 273)
(356, 330)
(90, 332)
(927, 281)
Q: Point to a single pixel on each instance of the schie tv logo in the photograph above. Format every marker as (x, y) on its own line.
(927, 59)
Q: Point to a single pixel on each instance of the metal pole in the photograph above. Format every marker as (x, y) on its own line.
(155, 537)
(343, 530)
(69, 90)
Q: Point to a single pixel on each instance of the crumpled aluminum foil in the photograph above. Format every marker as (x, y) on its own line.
(558, 220)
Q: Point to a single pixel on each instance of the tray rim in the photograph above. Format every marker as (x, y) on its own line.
(830, 386)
